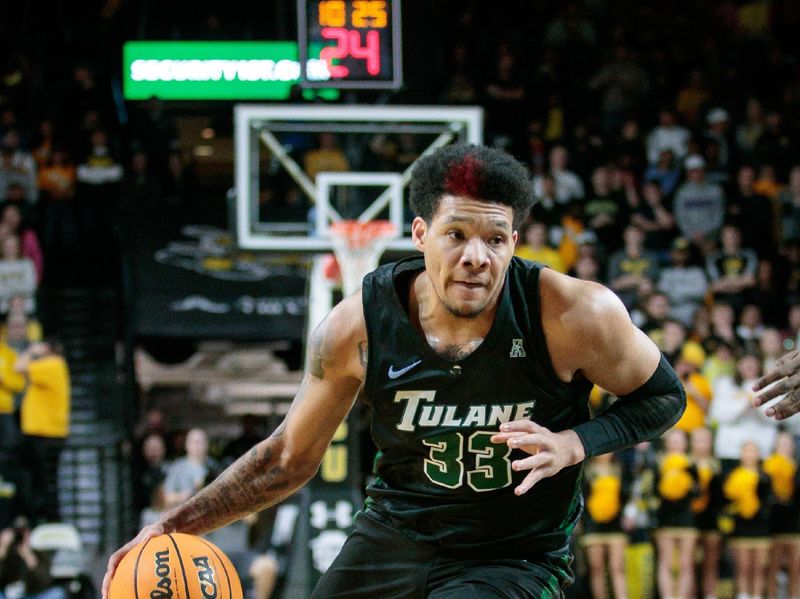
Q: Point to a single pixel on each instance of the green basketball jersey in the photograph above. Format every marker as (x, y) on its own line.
(440, 479)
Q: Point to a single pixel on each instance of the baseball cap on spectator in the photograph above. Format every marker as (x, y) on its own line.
(717, 115)
(693, 162)
(693, 353)
(680, 243)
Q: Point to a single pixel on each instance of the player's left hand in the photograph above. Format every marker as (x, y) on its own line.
(550, 452)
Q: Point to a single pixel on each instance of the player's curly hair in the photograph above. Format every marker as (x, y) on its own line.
(478, 172)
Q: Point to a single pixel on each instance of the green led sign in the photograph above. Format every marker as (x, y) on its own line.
(216, 70)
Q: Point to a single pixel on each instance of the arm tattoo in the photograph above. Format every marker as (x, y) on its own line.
(255, 481)
(318, 351)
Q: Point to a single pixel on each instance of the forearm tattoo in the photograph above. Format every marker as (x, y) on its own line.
(255, 481)
(319, 353)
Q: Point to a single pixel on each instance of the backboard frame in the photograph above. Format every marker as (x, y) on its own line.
(252, 132)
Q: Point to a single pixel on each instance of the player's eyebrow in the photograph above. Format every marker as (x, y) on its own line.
(454, 218)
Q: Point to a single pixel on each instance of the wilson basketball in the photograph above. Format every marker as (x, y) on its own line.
(175, 566)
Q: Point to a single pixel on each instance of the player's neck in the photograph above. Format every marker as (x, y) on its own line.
(433, 320)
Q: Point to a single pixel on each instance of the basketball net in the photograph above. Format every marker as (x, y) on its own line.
(358, 247)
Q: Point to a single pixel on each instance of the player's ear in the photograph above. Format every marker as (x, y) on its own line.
(419, 228)
(514, 237)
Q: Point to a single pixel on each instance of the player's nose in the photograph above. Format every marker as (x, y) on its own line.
(475, 254)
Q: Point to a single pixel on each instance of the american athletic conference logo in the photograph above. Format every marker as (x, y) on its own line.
(517, 350)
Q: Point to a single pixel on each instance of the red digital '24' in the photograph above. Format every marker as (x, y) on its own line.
(348, 43)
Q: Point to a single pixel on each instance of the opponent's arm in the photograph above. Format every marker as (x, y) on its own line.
(279, 465)
(589, 333)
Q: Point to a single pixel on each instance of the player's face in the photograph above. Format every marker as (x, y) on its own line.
(468, 246)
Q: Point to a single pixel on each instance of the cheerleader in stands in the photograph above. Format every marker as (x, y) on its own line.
(747, 490)
(706, 507)
(781, 468)
(603, 537)
(676, 533)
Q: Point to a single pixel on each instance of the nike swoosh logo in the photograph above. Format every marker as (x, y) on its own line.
(393, 374)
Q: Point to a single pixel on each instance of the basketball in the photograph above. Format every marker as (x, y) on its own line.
(175, 566)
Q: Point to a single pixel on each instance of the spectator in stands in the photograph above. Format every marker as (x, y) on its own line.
(692, 98)
(775, 145)
(784, 519)
(665, 173)
(252, 432)
(770, 347)
(44, 144)
(17, 167)
(654, 312)
(669, 135)
(587, 268)
(723, 323)
(153, 471)
(706, 507)
(534, 246)
(19, 330)
(767, 183)
(632, 270)
(699, 206)
(605, 211)
(568, 186)
(721, 362)
(328, 156)
(676, 534)
(749, 132)
(24, 571)
(750, 327)
(603, 537)
(732, 270)
(97, 197)
(623, 84)
(504, 99)
(44, 419)
(11, 384)
(747, 490)
(790, 206)
(652, 217)
(11, 217)
(738, 422)
(770, 294)
(185, 476)
(752, 213)
(18, 273)
(684, 284)
(672, 339)
(57, 180)
(697, 387)
(719, 132)
(715, 173)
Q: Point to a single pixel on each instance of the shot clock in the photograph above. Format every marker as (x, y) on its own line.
(360, 41)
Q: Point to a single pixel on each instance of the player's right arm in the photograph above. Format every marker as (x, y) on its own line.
(279, 465)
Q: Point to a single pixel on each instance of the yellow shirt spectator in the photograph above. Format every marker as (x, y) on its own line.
(545, 255)
(45, 405)
(697, 387)
(11, 382)
(698, 394)
(533, 246)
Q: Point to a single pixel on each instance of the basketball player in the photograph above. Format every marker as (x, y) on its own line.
(477, 367)
(786, 370)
